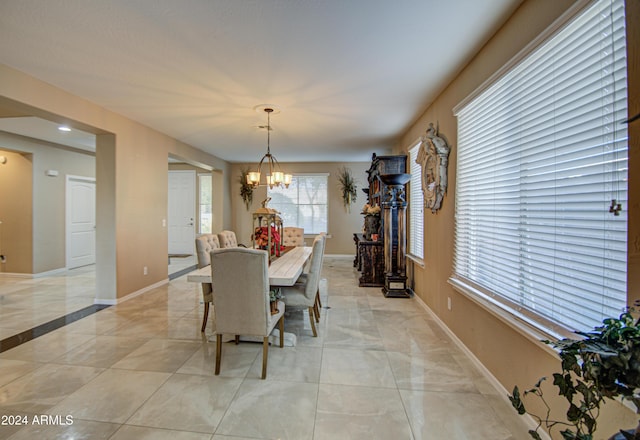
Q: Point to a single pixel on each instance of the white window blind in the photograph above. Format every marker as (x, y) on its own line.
(541, 154)
(416, 204)
(303, 204)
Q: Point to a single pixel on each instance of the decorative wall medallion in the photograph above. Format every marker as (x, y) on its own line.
(434, 158)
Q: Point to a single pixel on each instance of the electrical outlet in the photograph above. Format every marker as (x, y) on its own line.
(449, 302)
(145, 270)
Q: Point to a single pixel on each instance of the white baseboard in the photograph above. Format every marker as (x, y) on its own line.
(15, 275)
(50, 273)
(113, 302)
(34, 275)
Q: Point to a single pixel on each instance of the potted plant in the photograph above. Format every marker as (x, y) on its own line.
(274, 295)
(603, 364)
(246, 190)
(348, 187)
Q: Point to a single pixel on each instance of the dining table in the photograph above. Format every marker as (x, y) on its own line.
(283, 271)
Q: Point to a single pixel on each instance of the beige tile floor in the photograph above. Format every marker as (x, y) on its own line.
(380, 369)
(29, 302)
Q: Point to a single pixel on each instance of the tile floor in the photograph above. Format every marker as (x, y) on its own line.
(380, 369)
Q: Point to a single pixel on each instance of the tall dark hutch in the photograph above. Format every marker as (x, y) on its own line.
(370, 259)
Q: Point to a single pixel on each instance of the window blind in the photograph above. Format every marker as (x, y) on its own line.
(416, 205)
(541, 154)
(304, 203)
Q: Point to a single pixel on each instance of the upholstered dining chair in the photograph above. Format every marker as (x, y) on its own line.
(241, 298)
(204, 245)
(303, 293)
(228, 239)
(292, 236)
(303, 277)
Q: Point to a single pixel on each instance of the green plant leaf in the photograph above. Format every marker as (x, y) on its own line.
(568, 435)
(589, 422)
(573, 413)
(535, 434)
(565, 385)
(516, 402)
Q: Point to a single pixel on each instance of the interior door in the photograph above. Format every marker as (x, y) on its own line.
(182, 212)
(80, 221)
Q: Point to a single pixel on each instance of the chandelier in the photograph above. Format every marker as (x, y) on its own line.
(275, 177)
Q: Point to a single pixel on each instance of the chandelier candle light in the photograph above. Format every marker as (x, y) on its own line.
(275, 177)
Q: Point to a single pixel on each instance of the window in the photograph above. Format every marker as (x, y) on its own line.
(304, 203)
(541, 154)
(205, 190)
(416, 204)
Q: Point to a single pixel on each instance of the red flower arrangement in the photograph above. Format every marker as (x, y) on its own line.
(261, 235)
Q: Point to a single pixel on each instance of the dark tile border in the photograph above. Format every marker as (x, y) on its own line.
(182, 272)
(43, 329)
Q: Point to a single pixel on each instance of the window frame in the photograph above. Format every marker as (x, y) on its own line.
(200, 204)
(324, 220)
(416, 206)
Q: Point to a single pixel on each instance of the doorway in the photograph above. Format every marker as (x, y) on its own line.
(80, 221)
(182, 212)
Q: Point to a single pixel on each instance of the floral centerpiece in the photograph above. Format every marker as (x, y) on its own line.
(261, 235)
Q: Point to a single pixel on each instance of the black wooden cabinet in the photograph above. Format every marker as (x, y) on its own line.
(369, 261)
(370, 254)
(383, 165)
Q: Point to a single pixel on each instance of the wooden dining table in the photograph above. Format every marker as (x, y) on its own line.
(283, 271)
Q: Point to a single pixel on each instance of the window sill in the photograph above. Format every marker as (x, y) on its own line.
(418, 261)
(518, 323)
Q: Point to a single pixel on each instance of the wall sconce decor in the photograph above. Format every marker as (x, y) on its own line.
(3, 160)
(433, 157)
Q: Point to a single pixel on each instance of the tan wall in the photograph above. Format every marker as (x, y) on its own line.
(511, 357)
(342, 224)
(16, 211)
(131, 172)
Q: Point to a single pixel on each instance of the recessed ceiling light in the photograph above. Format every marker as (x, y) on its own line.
(64, 128)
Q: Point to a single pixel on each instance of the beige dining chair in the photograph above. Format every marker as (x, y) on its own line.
(303, 294)
(303, 277)
(292, 236)
(228, 239)
(204, 245)
(241, 298)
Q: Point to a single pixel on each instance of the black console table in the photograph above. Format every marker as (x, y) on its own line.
(369, 261)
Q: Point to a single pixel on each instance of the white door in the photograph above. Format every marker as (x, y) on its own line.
(80, 221)
(182, 212)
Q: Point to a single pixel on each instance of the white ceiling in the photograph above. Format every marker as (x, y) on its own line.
(349, 76)
(48, 131)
